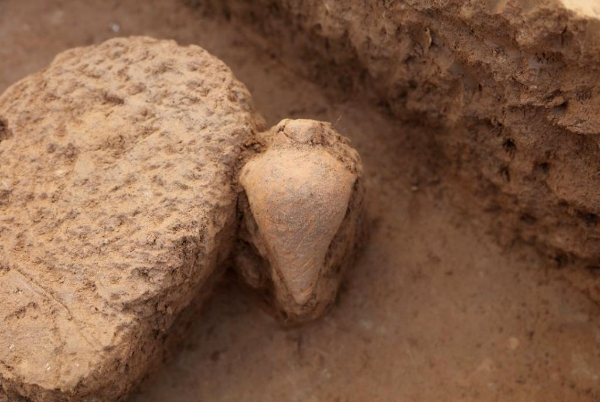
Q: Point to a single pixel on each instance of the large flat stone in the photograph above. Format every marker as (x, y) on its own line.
(116, 207)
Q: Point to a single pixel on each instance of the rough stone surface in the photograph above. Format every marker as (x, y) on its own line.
(117, 205)
(510, 87)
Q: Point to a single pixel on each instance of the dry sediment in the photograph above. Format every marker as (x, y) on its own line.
(510, 88)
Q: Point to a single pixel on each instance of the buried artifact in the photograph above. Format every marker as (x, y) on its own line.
(132, 171)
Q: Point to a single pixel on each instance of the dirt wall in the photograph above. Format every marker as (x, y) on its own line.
(510, 88)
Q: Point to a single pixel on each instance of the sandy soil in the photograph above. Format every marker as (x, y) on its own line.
(434, 310)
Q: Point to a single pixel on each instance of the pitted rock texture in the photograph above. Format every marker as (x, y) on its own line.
(509, 87)
(117, 205)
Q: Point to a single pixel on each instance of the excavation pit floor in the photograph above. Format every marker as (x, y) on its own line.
(434, 309)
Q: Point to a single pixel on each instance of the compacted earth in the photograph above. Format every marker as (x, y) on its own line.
(436, 308)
